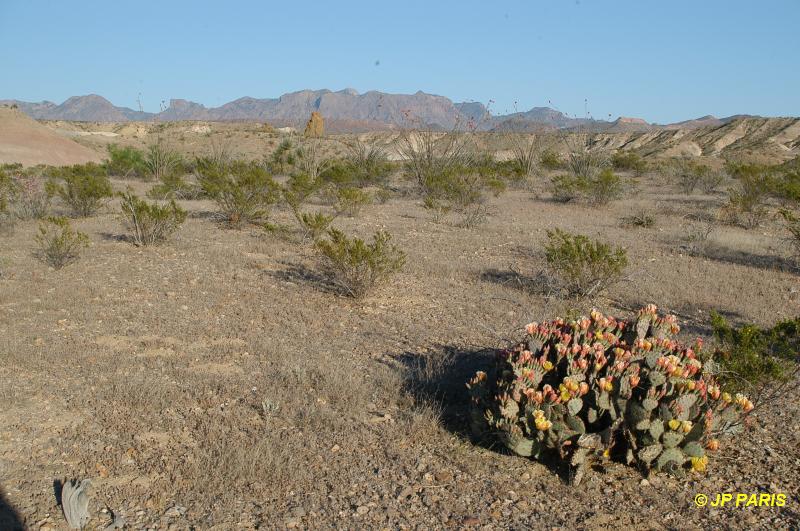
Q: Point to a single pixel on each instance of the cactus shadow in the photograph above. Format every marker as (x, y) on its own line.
(9, 517)
(438, 378)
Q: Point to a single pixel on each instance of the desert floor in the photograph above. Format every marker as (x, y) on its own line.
(220, 382)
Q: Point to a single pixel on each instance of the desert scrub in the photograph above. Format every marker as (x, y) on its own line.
(32, 197)
(368, 163)
(598, 189)
(639, 219)
(751, 358)
(126, 162)
(314, 225)
(597, 387)
(583, 267)
(161, 161)
(84, 188)
(463, 190)
(59, 244)
(150, 223)
(350, 201)
(243, 191)
(357, 267)
(629, 161)
(690, 175)
(747, 200)
(792, 223)
(282, 160)
(551, 159)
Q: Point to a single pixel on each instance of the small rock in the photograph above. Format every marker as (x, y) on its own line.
(362, 510)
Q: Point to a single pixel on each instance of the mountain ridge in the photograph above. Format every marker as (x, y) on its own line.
(384, 110)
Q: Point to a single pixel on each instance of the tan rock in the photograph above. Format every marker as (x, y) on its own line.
(315, 127)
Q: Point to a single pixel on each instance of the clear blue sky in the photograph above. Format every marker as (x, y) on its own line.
(662, 60)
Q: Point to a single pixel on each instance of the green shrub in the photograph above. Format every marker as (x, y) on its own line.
(314, 225)
(126, 162)
(6, 191)
(282, 159)
(461, 189)
(357, 267)
(629, 161)
(691, 175)
(175, 187)
(161, 161)
(597, 387)
(793, 228)
(82, 188)
(751, 358)
(369, 164)
(551, 160)
(59, 244)
(243, 191)
(600, 189)
(603, 188)
(581, 266)
(350, 201)
(150, 223)
(746, 205)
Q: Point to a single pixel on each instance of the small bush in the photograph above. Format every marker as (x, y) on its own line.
(175, 187)
(150, 223)
(746, 206)
(59, 244)
(629, 161)
(551, 160)
(314, 225)
(357, 267)
(581, 266)
(282, 159)
(752, 358)
(350, 201)
(369, 163)
(161, 161)
(32, 197)
(461, 189)
(793, 228)
(603, 188)
(6, 191)
(243, 191)
(83, 188)
(584, 390)
(691, 175)
(639, 219)
(126, 162)
(600, 189)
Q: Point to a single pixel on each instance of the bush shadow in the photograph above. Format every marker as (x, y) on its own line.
(758, 261)
(301, 274)
(9, 517)
(439, 377)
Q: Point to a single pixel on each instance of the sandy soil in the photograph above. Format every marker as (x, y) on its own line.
(219, 382)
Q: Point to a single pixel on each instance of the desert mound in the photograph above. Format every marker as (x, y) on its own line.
(26, 141)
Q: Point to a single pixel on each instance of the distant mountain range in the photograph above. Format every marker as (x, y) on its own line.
(346, 110)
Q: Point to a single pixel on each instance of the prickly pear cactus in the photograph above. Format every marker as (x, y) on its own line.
(585, 388)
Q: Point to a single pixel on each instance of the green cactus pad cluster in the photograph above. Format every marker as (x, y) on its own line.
(585, 388)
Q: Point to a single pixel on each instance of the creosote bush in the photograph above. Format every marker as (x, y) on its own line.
(584, 390)
(583, 267)
(350, 201)
(551, 159)
(792, 223)
(243, 191)
(126, 162)
(751, 358)
(150, 223)
(599, 189)
(32, 197)
(59, 244)
(84, 188)
(629, 161)
(356, 266)
(691, 175)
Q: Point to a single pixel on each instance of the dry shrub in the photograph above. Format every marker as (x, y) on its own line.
(59, 244)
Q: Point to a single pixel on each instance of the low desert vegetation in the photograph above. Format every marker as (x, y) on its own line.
(161, 161)
(629, 161)
(599, 189)
(598, 387)
(126, 162)
(59, 244)
(583, 267)
(150, 223)
(691, 176)
(84, 188)
(792, 223)
(551, 159)
(243, 191)
(753, 359)
(350, 201)
(639, 219)
(357, 267)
